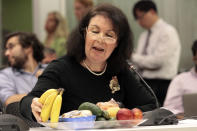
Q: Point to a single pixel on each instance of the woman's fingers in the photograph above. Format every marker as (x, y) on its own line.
(36, 107)
(37, 116)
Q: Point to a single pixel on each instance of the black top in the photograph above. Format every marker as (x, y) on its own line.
(80, 86)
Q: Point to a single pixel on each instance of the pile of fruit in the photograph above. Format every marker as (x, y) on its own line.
(111, 111)
(52, 101)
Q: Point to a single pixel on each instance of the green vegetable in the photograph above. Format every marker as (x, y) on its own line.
(92, 107)
(106, 115)
(100, 118)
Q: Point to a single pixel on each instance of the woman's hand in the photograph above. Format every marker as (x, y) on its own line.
(36, 107)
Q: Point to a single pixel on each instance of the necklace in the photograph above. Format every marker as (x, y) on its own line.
(97, 74)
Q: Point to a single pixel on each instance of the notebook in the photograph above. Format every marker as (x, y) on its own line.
(190, 104)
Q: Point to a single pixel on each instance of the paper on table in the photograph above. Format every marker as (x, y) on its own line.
(188, 121)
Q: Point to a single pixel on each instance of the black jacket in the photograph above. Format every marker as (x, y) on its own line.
(82, 86)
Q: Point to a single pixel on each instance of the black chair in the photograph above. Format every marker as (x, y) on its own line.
(13, 108)
(10, 122)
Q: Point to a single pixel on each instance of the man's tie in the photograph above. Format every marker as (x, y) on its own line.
(145, 49)
(147, 42)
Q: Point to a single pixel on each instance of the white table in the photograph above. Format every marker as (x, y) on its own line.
(180, 127)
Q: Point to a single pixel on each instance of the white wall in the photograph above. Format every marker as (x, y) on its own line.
(40, 10)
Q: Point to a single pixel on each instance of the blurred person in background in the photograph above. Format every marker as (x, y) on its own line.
(56, 30)
(158, 49)
(81, 7)
(184, 83)
(49, 55)
(24, 53)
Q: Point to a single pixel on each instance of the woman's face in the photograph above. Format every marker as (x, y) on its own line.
(51, 23)
(100, 39)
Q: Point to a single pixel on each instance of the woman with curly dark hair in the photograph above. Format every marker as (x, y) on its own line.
(95, 68)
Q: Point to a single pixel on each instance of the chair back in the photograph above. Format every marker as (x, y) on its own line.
(13, 108)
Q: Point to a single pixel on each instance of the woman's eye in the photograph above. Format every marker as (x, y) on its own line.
(95, 32)
(110, 36)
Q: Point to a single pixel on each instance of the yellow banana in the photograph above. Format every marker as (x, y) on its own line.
(46, 109)
(44, 96)
(55, 112)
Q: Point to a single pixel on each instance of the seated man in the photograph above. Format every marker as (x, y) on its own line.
(24, 52)
(49, 55)
(184, 83)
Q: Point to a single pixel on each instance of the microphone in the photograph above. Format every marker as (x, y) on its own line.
(148, 87)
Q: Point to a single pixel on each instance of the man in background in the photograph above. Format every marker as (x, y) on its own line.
(81, 7)
(184, 83)
(49, 55)
(158, 50)
(24, 53)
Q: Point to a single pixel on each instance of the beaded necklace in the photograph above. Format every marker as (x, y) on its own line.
(97, 74)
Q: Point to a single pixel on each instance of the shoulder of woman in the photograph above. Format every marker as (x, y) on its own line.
(63, 61)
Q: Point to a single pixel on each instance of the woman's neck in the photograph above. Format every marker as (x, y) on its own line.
(49, 39)
(95, 67)
(51, 34)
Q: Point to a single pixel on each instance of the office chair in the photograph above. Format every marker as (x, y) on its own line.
(13, 108)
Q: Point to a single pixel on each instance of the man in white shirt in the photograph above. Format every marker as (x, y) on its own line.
(158, 49)
(185, 83)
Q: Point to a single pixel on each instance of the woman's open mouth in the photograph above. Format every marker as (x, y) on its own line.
(98, 49)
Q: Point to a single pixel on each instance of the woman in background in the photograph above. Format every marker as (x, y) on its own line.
(56, 33)
(82, 7)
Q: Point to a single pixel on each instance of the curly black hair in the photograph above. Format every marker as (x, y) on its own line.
(117, 60)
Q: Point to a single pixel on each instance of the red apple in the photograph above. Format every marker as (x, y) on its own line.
(124, 114)
(137, 113)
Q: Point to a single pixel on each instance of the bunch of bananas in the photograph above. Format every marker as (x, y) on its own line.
(52, 102)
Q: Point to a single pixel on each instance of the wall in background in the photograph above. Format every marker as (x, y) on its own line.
(70, 16)
(17, 15)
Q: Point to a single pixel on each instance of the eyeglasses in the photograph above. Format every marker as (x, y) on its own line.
(141, 17)
(108, 38)
(10, 47)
